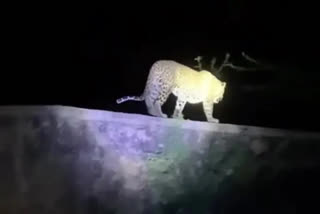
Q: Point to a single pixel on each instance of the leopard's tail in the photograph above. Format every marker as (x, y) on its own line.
(127, 98)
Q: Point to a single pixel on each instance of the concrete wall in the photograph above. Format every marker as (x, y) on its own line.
(69, 160)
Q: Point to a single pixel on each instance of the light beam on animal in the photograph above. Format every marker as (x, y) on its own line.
(167, 76)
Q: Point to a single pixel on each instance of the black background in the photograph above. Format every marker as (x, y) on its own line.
(87, 55)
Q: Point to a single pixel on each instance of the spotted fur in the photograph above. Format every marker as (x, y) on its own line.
(167, 76)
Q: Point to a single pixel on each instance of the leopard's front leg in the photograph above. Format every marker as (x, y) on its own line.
(180, 104)
(208, 110)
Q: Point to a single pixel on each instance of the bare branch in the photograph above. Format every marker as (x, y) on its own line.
(198, 59)
(263, 65)
(226, 63)
(212, 64)
(226, 60)
(249, 58)
(230, 65)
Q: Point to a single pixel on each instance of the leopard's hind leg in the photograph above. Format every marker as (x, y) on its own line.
(160, 101)
(159, 87)
(154, 107)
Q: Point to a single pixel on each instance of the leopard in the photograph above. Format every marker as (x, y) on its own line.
(187, 84)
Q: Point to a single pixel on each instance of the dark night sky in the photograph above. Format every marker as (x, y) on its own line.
(89, 55)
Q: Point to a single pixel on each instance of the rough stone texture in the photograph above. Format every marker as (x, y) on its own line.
(69, 160)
